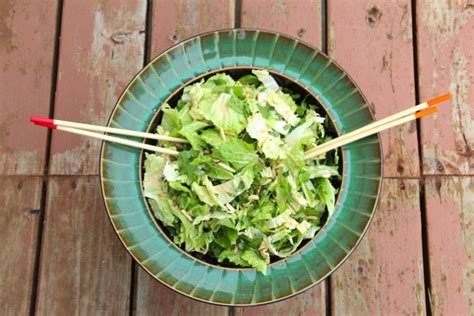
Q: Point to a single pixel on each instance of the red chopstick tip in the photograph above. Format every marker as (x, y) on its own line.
(426, 112)
(43, 121)
(439, 99)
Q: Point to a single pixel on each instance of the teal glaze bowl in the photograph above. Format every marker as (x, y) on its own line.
(161, 80)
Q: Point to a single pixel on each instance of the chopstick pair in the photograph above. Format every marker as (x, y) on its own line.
(399, 118)
(89, 130)
(402, 117)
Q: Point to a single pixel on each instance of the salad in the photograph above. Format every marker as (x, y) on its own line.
(241, 192)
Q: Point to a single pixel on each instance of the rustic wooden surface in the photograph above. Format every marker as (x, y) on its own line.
(372, 40)
(301, 19)
(84, 268)
(153, 298)
(449, 206)
(174, 21)
(102, 47)
(27, 35)
(20, 198)
(60, 253)
(384, 275)
(311, 302)
(446, 63)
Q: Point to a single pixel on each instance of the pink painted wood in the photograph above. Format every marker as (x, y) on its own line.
(446, 62)
(153, 298)
(450, 219)
(102, 47)
(19, 216)
(373, 42)
(27, 31)
(300, 18)
(84, 268)
(384, 275)
(174, 21)
(311, 302)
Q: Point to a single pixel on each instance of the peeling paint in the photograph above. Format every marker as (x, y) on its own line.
(331, 40)
(279, 7)
(461, 109)
(7, 37)
(443, 18)
(384, 275)
(25, 83)
(96, 64)
(450, 216)
(446, 62)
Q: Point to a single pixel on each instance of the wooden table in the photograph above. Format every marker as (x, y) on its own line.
(71, 59)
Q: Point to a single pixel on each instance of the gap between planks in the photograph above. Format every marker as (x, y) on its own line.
(44, 188)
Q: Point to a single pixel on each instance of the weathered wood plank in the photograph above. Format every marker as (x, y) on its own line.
(446, 62)
(27, 32)
(174, 21)
(373, 42)
(384, 275)
(84, 268)
(301, 18)
(153, 298)
(19, 216)
(102, 46)
(450, 217)
(311, 302)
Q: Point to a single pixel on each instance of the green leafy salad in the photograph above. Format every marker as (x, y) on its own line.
(241, 192)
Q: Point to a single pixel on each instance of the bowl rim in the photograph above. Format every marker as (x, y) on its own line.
(348, 254)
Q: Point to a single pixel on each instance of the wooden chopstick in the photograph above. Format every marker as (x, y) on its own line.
(50, 123)
(96, 128)
(383, 121)
(402, 117)
(119, 140)
(319, 150)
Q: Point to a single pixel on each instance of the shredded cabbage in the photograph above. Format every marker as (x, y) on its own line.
(241, 191)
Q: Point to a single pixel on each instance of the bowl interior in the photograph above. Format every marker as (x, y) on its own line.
(236, 73)
(120, 167)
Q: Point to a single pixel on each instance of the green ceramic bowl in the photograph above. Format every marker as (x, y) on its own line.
(121, 167)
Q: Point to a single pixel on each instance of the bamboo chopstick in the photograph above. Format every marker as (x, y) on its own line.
(338, 142)
(402, 117)
(383, 121)
(96, 128)
(50, 124)
(119, 140)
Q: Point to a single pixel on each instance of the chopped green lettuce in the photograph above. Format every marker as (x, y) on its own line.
(241, 191)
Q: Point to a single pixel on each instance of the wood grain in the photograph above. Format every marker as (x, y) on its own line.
(373, 42)
(153, 298)
(450, 219)
(300, 18)
(384, 275)
(446, 62)
(27, 31)
(102, 46)
(174, 21)
(311, 302)
(19, 216)
(84, 268)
